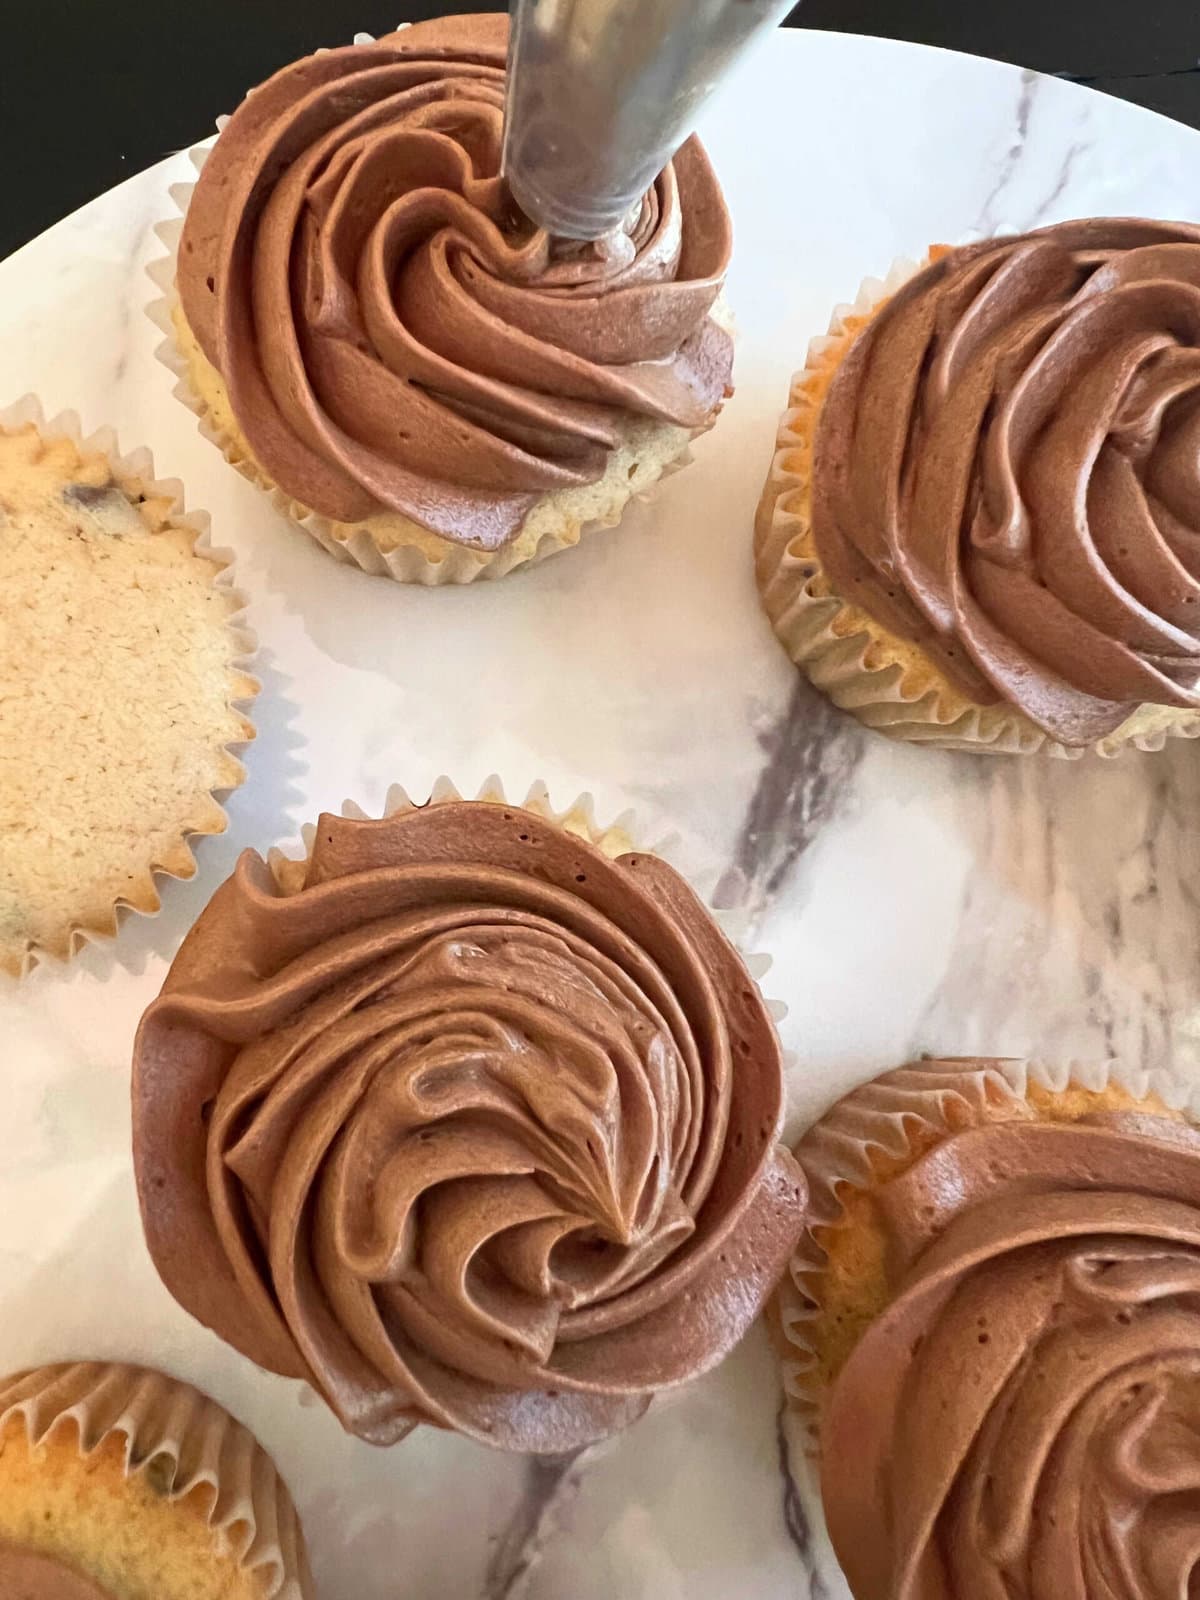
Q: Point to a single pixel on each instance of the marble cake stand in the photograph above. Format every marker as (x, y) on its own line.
(911, 900)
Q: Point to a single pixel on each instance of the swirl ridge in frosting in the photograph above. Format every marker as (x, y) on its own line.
(477, 1127)
(394, 335)
(1007, 471)
(1023, 1420)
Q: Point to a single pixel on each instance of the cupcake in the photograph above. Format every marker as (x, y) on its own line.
(120, 1484)
(993, 1322)
(121, 667)
(372, 331)
(982, 526)
(469, 1118)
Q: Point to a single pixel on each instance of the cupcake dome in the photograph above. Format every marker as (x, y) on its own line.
(470, 1125)
(375, 330)
(1002, 493)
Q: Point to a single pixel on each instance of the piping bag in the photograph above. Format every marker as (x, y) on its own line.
(601, 94)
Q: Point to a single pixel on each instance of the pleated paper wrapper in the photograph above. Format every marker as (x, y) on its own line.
(135, 474)
(884, 681)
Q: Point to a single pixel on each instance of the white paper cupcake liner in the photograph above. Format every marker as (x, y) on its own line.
(138, 467)
(356, 543)
(888, 1115)
(853, 659)
(192, 1446)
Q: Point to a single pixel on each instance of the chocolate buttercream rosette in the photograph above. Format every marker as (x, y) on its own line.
(124, 658)
(991, 1331)
(981, 528)
(116, 1480)
(370, 331)
(468, 1117)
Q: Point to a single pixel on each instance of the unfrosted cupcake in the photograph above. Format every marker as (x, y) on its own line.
(982, 526)
(469, 1118)
(433, 388)
(993, 1325)
(117, 1483)
(121, 685)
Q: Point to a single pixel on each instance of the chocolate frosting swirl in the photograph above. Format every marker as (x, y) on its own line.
(1007, 471)
(393, 334)
(1024, 1419)
(477, 1127)
(31, 1575)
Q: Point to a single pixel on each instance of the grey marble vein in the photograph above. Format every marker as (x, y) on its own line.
(1077, 934)
(549, 1481)
(990, 216)
(811, 752)
(795, 1518)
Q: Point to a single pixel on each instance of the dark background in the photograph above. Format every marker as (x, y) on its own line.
(91, 92)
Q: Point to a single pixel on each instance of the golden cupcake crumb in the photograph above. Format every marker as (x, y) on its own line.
(120, 1530)
(117, 677)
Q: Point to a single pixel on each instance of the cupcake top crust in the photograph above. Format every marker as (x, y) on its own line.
(1006, 471)
(394, 335)
(473, 1126)
(119, 677)
(1023, 1418)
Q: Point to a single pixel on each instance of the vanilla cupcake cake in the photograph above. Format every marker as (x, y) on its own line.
(992, 1327)
(370, 329)
(122, 680)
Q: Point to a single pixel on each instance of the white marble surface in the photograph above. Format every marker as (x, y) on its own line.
(911, 900)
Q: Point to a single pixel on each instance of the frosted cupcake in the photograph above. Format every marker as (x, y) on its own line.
(993, 1323)
(369, 328)
(982, 527)
(120, 1484)
(469, 1119)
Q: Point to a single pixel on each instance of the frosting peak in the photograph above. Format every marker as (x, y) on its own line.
(476, 1127)
(1024, 1418)
(392, 332)
(1007, 471)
